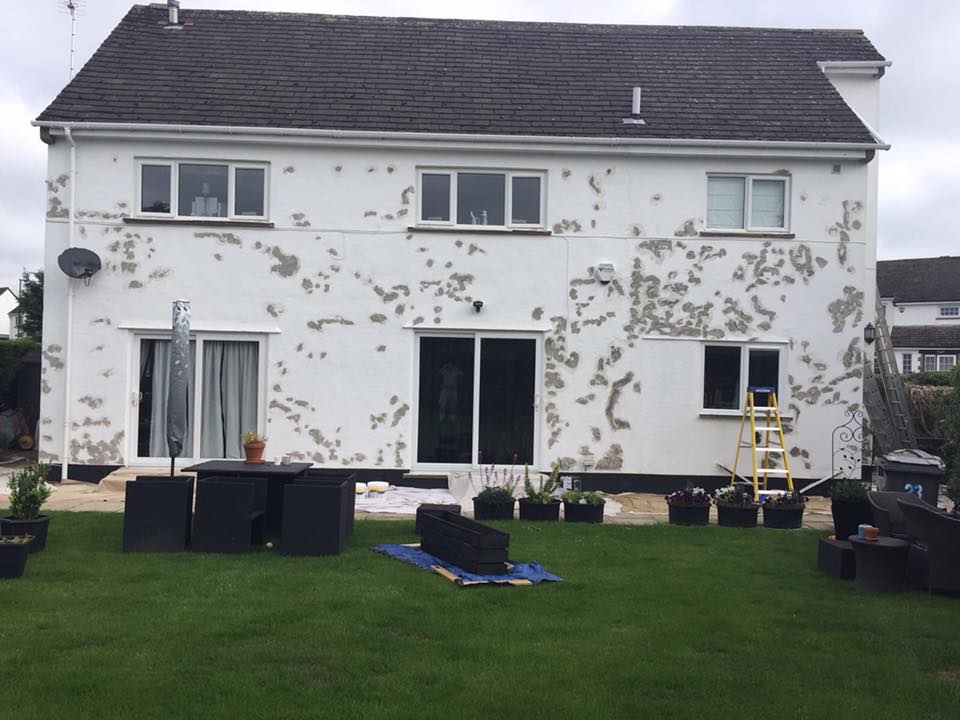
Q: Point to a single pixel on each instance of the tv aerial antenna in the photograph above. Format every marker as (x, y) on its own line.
(73, 8)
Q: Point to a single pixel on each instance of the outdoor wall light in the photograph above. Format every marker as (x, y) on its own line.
(477, 305)
(869, 334)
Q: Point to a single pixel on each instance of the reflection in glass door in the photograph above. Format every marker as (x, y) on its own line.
(476, 400)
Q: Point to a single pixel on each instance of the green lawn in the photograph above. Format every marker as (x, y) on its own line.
(650, 622)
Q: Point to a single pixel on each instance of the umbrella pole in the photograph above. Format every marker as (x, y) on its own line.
(171, 466)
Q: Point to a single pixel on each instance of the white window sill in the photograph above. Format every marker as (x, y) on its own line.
(480, 229)
(223, 222)
(736, 414)
(781, 234)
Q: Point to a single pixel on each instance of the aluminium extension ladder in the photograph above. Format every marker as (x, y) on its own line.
(773, 442)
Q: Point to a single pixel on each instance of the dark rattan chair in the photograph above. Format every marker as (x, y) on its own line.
(226, 518)
(349, 497)
(315, 517)
(939, 536)
(157, 513)
(887, 515)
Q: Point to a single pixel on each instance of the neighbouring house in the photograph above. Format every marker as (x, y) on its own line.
(921, 304)
(411, 245)
(8, 310)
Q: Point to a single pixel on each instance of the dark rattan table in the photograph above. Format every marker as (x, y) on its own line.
(881, 563)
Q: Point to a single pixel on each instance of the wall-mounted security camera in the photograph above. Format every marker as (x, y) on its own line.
(477, 305)
(604, 272)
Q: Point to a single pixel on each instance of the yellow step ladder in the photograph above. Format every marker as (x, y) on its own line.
(771, 429)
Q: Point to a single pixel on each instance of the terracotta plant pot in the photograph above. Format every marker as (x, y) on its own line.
(689, 514)
(254, 453)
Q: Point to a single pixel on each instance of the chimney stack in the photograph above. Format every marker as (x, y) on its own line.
(173, 11)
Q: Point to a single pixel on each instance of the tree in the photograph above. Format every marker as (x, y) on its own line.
(31, 305)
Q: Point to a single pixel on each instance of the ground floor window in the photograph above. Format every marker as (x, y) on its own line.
(728, 370)
(223, 394)
(476, 399)
(941, 363)
(906, 363)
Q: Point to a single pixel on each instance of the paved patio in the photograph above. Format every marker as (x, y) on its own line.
(636, 508)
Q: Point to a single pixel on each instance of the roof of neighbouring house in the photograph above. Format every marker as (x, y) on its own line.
(7, 290)
(292, 70)
(926, 337)
(920, 279)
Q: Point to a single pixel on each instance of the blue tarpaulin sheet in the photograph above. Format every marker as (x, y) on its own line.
(533, 573)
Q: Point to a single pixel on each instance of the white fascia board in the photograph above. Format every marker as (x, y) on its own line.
(875, 68)
(468, 142)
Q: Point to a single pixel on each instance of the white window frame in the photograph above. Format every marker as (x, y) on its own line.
(949, 312)
(174, 165)
(508, 174)
(941, 360)
(783, 397)
(478, 336)
(198, 338)
(749, 179)
(906, 363)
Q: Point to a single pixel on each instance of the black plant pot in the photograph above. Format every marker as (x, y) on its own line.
(689, 515)
(783, 519)
(738, 516)
(575, 512)
(492, 511)
(539, 512)
(848, 515)
(35, 526)
(13, 559)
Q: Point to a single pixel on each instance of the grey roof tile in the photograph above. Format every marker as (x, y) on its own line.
(934, 279)
(466, 76)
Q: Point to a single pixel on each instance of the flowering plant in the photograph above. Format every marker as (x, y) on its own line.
(733, 496)
(496, 486)
(15, 539)
(688, 497)
(785, 501)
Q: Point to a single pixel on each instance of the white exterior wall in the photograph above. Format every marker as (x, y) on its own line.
(8, 303)
(622, 363)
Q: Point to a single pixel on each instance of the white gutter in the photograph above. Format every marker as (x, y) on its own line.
(878, 67)
(68, 344)
(415, 138)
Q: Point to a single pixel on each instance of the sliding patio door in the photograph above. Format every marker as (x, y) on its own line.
(223, 397)
(476, 400)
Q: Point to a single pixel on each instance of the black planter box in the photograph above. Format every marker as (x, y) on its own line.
(848, 516)
(738, 516)
(157, 514)
(348, 500)
(539, 512)
(689, 515)
(465, 543)
(575, 512)
(493, 511)
(316, 517)
(13, 559)
(786, 519)
(35, 526)
(836, 559)
(424, 508)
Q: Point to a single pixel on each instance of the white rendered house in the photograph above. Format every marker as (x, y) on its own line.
(412, 245)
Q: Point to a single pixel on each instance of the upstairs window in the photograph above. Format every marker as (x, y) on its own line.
(750, 203)
(482, 198)
(950, 311)
(187, 189)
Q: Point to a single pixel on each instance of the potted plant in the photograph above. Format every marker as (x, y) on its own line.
(538, 502)
(495, 499)
(253, 446)
(690, 506)
(850, 507)
(28, 492)
(783, 511)
(735, 507)
(583, 507)
(13, 555)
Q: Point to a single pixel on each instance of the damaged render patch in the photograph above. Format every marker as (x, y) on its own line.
(612, 459)
(616, 389)
(851, 304)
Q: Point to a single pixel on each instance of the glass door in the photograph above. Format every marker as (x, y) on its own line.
(223, 393)
(476, 400)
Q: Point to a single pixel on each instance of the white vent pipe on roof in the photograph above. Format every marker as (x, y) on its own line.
(173, 12)
(635, 110)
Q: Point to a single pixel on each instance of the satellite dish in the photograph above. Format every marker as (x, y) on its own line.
(79, 263)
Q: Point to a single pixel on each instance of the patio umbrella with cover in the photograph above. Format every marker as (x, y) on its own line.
(179, 372)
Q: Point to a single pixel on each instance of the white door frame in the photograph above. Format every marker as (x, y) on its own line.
(133, 375)
(478, 336)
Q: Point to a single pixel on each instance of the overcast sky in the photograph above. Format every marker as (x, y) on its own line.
(919, 181)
